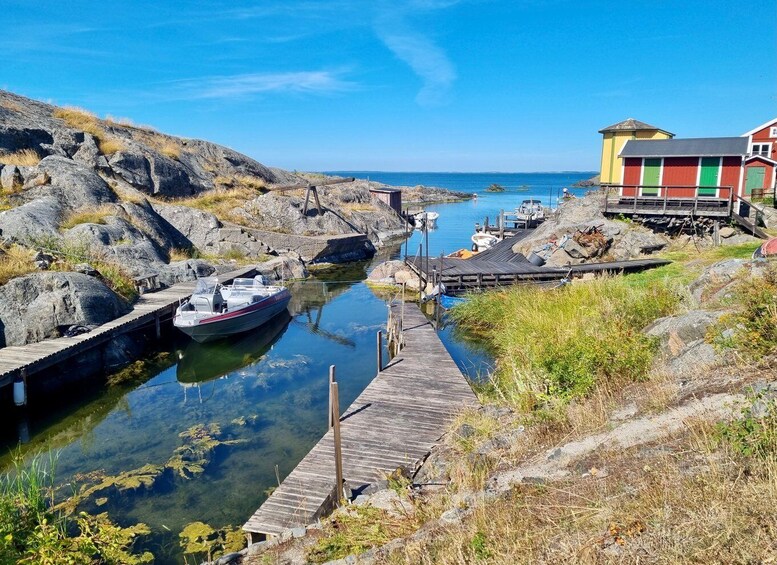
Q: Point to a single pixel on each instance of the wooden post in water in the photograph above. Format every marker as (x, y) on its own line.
(332, 379)
(338, 445)
(421, 272)
(485, 225)
(380, 350)
(501, 224)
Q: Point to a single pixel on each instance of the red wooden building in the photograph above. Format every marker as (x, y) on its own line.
(684, 168)
(761, 162)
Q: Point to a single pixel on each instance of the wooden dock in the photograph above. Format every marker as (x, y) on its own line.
(500, 266)
(393, 423)
(149, 309)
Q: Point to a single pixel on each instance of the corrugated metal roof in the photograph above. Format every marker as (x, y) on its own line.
(631, 124)
(692, 147)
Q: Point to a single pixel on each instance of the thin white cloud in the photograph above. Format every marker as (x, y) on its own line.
(427, 59)
(239, 86)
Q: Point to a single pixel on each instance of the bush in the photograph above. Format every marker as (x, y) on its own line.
(754, 322)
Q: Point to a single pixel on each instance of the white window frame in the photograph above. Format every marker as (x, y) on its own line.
(773, 131)
(768, 147)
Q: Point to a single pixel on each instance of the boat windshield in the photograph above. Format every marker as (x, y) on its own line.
(242, 283)
(206, 285)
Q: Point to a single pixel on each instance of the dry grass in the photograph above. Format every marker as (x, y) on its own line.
(15, 261)
(22, 158)
(85, 121)
(182, 254)
(11, 105)
(91, 215)
(170, 149)
(693, 500)
(221, 202)
(240, 182)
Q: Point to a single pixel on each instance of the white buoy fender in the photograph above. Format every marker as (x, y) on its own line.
(19, 391)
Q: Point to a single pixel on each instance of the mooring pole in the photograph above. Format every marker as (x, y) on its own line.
(380, 350)
(501, 224)
(332, 379)
(338, 445)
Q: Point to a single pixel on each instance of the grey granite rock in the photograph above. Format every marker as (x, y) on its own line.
(33, 307)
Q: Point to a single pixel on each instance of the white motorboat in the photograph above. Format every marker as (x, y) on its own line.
(482, 241)
(426, 219)
(215, 311)
(530, 210)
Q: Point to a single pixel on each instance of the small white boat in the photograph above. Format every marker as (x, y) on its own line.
(482, 241)
(215, 311)
(426, 219)
(530, 210)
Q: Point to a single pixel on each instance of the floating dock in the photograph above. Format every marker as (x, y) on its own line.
(150, 308)
(394, 423)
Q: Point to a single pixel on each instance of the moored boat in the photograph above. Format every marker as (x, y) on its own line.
(216, 311)
(482, 241)
(531, 210)
(426, 220)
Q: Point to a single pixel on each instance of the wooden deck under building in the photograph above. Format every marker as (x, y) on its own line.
(394, 423)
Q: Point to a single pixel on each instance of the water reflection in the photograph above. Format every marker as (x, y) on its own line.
(201, 362)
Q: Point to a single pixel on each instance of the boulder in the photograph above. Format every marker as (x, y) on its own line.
(575, 250)
(33, 220)
(33, 307)
(716, 280)
(74, 184)
(385, 272)
(181, 271)
(134, 168)
(727, 231)
(198, 227)
(677, 332)
(88, 152)
(283, 268)
(11, 178)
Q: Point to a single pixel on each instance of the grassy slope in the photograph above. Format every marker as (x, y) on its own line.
(567, 359)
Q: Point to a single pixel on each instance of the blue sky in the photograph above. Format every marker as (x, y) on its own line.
(404, 85)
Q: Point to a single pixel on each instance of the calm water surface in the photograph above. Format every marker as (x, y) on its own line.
(268, 390)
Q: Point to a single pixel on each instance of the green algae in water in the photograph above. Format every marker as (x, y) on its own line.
(201, 540)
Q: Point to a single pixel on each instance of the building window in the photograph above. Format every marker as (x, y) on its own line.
(773, 132)
(763, 149)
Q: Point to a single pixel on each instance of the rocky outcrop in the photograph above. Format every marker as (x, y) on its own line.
(621, 240)
(683, 341)
(34, 307)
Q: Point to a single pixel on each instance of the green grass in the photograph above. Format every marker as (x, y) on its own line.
(555, 345)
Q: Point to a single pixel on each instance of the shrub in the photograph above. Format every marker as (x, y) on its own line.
(22, 158)
(754, 433)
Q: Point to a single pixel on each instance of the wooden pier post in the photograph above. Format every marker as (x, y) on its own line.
(158, 326)
(501, 224)
(380, 350)
(332, 379)
(338, 444)
(420, 273)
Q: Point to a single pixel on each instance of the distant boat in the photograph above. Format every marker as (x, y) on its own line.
(426, 219)
(523, 188)
(216, 311)
(482, 241)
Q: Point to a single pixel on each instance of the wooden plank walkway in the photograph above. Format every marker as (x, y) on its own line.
(35, 357)
(393, 423)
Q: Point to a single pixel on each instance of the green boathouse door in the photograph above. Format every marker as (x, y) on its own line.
(651, 174)
(755, 179)
(708, 180)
